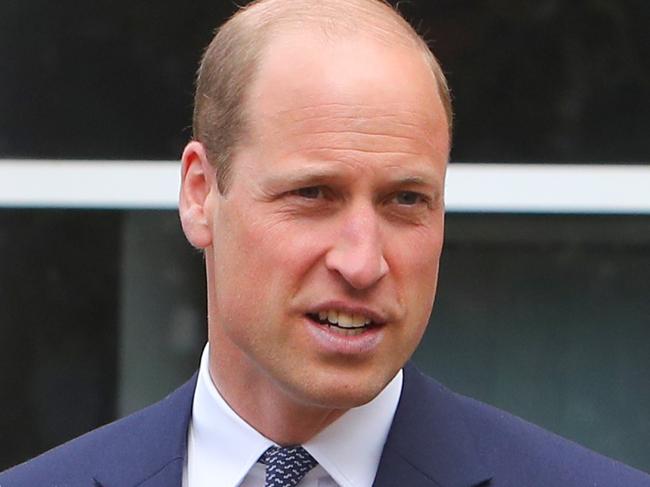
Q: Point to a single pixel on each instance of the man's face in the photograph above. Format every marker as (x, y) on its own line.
(324, 254)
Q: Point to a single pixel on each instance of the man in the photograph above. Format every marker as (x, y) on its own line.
(315, 188)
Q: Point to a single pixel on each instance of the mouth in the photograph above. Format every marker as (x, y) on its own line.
(343, 323)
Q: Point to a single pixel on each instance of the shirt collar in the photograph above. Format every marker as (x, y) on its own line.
(349, 449)
(220, 441)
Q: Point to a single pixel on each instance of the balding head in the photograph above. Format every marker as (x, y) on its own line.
(231, 61)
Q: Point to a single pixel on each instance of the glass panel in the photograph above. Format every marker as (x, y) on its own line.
(101, 313)
(58, 310)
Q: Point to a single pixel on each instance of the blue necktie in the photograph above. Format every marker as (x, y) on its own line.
(286, 466)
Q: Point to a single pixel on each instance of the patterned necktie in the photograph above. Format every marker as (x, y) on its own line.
(285, 467)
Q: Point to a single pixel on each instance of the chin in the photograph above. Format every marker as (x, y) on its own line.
(339, 393)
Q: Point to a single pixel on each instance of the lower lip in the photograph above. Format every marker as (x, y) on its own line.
(334, 342)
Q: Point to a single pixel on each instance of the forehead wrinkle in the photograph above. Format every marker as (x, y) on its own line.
(400, 141)
(348, 111)
(404, 141)
(339, 142)
(389, 125)
(335, 142)
(367, 151)
(354, 123)
(363, 134)
(320, 119)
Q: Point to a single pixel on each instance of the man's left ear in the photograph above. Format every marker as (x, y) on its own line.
(197, 183)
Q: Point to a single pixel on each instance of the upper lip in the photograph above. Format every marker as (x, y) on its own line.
(377, 317)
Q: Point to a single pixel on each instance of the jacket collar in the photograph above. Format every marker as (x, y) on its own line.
(429, 443)
(157, 436)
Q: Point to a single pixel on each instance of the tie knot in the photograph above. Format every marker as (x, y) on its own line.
(286, 466)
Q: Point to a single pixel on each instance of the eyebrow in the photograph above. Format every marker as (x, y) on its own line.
(412, 180)
(437, 187)
(309, 176)
(302, 176)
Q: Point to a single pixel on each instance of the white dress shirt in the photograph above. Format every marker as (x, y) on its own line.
(222, 449)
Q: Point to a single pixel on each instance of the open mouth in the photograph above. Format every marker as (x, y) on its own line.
(343, 323)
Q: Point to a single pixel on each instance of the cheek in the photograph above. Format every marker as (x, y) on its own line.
(415, 263)
(292, 248)
(418, 250)
(272, 253)
(238, 261)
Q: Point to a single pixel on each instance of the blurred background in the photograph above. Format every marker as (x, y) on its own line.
(547, 315)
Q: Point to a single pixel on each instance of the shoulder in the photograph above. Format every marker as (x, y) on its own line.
(515, 451)
(124, 444)
(518, 448)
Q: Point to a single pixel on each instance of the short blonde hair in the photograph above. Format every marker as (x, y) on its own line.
(230, 61)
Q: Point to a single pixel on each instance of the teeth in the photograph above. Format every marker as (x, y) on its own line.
(346, 331)
(344, 320)
(332, 316)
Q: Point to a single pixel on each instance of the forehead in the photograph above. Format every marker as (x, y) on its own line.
(309, 84)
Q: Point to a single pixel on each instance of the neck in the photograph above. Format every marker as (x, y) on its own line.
(265, 406)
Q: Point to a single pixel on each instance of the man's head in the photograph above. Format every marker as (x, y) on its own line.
(231, 61)
(322, 254)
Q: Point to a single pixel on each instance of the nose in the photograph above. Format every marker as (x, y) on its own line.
(357, 254)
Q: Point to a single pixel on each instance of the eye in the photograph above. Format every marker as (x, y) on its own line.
(310, 192)
(409, 198)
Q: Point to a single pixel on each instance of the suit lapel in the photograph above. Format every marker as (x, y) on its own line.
(150, 446)
(429, 444)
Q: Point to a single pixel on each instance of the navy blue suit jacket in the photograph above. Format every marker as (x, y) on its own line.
(438, 439)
